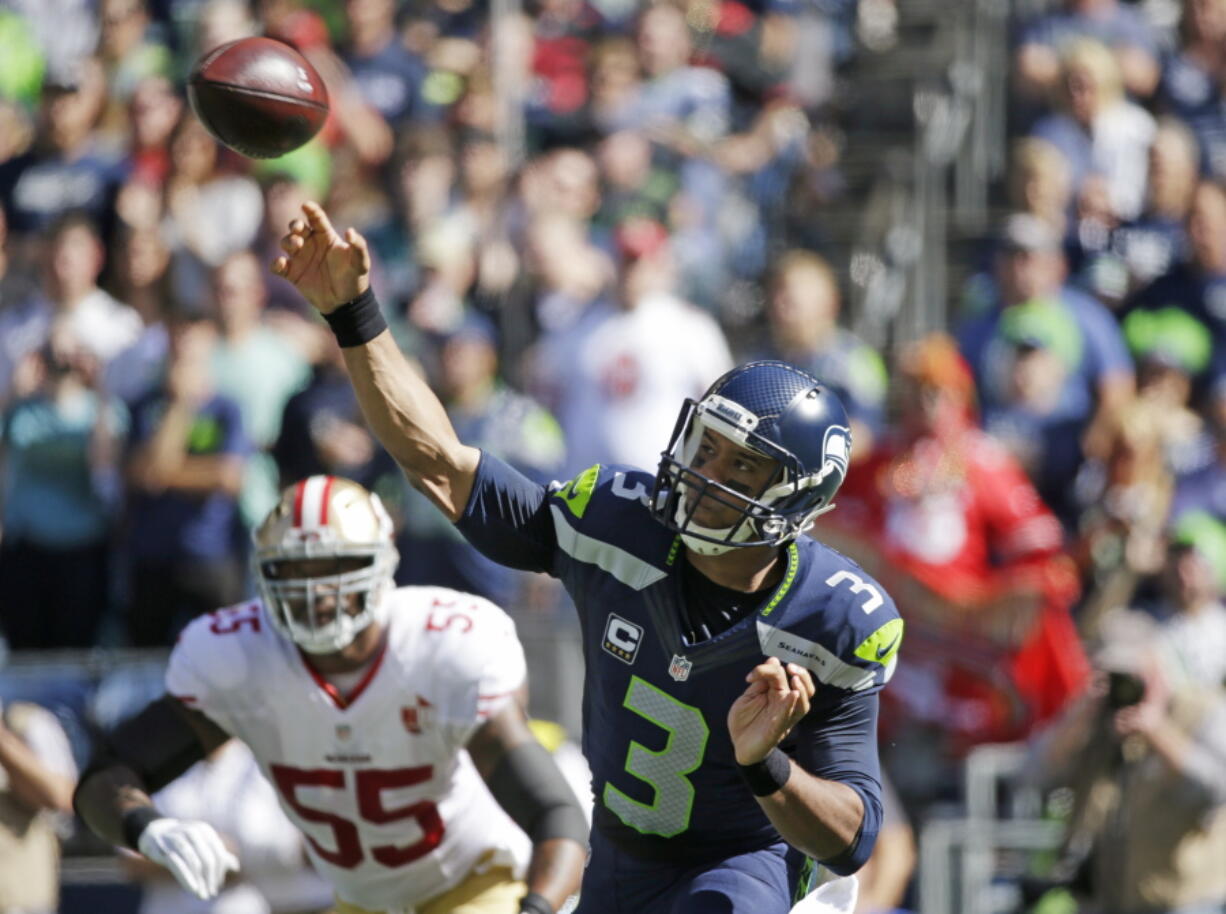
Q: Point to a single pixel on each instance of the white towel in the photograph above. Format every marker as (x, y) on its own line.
(838, 896)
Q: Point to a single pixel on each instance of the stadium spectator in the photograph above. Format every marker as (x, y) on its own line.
(18, 279)
(1033, 417)
(613, 376)
(563, 34)
(37, 775)
(388, 75)
(1115, 262)
(1192, 616)
(141, 277)
(130, 52)
(66, 169)
(1098, 129)
(1121, 27)
(616, 81)
(1191, 80)
(73, 261)
(943, 516)
(256, 367)
(635, 187)
(1178, 370)
(187, 454)
(154, 108)
(323, 433)
(1197, 284)
(683, 107)
(1029, 271)
(211, 211)
(1204, 488)
(802, 313)
(1041, 183)
(61, 450)
(1143, 754)
(205, 24)
(569, 273)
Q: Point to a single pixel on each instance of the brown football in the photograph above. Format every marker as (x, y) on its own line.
(258, 96)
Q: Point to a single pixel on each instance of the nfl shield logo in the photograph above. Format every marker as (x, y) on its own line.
(343, 732)
(680, 668)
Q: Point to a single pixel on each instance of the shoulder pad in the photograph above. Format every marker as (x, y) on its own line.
(601, 519)
(213, 653)
(602, 488)
(472, 648)
(838, 622)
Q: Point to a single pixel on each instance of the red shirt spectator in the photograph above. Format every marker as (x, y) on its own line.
(985, 587)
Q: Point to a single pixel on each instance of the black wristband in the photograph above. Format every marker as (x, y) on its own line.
(135, 821)
(534, 903)
(769, 775)
(358, 321)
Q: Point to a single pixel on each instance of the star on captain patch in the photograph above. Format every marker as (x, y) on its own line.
(680, 668)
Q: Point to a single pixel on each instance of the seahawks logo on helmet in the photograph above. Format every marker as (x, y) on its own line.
(836, 447)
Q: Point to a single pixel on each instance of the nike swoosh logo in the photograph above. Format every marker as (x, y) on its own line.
(885, 651)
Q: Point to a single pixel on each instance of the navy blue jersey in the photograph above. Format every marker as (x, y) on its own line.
(655, 707)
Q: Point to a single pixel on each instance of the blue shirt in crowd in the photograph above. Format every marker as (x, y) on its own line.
(179, 526)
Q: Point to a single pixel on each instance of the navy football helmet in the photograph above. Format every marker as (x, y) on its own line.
(772, 409)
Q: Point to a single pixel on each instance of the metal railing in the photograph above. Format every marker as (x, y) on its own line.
(964, 865)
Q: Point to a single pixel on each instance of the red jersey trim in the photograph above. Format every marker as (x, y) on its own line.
(344, 701)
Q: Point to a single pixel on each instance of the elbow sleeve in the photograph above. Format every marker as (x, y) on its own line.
(529, 786)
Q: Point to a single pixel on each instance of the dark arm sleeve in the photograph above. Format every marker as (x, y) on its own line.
(507, 517)
(837, 741)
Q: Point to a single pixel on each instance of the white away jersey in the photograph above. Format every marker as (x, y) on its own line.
(393, 810)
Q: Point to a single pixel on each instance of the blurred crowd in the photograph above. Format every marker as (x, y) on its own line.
(582, 212)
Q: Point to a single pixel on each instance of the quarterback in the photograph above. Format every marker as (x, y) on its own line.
(387, 720)
(732, 664)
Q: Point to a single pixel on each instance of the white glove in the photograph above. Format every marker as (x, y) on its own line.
(192, 851)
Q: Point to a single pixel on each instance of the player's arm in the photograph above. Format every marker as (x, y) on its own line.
(333, 274)
(142, 755)
(814, 805)
(526, 781)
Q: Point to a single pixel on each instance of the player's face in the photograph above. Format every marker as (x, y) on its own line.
(740, 469)
(327, 599)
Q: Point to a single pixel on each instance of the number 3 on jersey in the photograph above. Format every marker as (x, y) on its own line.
(666, 770)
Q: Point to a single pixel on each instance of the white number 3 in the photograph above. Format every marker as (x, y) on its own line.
(858, 585)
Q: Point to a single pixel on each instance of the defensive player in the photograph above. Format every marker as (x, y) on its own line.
(732, 664)
(357, 700)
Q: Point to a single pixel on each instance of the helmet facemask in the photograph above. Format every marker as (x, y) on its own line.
(347, 602)
(323, 560)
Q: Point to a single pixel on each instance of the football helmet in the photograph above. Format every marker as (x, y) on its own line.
(325, 517)
(772, 409)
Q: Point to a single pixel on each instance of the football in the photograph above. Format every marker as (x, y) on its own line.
(258, 96)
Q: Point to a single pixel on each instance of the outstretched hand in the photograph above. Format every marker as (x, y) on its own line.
(777, 698)
(327, 269)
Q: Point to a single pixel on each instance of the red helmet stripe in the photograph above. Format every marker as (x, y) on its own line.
(323, 510)
(299, 496)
